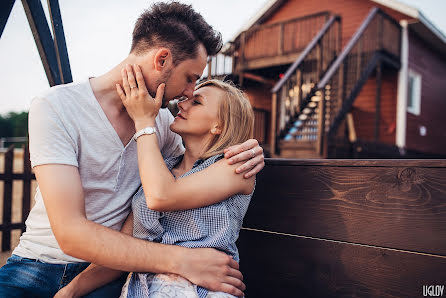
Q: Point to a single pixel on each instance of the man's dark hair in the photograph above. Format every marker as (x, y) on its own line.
(176, 26)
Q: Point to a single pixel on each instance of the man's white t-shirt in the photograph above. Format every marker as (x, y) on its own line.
(68, 126)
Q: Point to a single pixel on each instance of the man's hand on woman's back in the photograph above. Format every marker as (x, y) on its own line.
(249, 151)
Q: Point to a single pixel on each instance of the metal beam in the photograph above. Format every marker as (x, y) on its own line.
(59, 42)
(5, 11)
(44, 41)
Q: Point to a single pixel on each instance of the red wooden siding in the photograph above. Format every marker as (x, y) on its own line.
(353, 12)
(364, 109)
(432, 68)
(259, 96)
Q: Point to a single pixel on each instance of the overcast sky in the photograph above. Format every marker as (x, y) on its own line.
(98, 36)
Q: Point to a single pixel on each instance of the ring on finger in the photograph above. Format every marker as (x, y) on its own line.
(131, 87)
(253, 153)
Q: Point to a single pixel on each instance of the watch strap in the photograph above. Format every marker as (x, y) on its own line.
(145, 131)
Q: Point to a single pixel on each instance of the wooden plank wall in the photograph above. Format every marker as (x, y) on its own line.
(432, 67)
(338, 228)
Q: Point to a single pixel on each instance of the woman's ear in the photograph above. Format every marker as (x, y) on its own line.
(216, 131)
(163, 59)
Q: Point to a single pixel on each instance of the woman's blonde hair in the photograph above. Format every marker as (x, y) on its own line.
(236, 118)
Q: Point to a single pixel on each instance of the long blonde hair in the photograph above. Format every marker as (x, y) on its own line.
(236, 118)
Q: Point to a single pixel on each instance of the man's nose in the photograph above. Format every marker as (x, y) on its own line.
(189, 91)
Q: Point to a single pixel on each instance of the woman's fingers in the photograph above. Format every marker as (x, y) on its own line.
(140, 78)
(131, 77)
(159, 95)
(125, 82)
(120, 92)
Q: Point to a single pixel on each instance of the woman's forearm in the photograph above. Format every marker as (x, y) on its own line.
(165, 193)
(156, 178)
(93, 277)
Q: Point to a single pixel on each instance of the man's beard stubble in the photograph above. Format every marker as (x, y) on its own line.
(164, 79)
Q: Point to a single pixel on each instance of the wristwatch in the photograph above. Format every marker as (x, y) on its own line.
(145, 131)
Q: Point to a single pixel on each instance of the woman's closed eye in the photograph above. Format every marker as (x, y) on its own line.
(196, 102)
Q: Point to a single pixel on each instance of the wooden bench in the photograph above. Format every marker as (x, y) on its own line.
(345, 228)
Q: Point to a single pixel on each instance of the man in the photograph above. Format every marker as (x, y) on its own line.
(85, 162)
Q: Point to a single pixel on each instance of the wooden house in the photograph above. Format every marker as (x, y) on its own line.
(342, 79)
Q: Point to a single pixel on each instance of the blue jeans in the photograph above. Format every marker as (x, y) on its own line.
(22, 277)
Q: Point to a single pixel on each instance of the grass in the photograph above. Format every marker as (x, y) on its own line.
(16, 200)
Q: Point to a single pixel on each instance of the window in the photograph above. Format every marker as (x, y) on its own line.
(414, 93)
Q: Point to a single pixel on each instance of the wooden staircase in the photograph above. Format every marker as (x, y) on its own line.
(311, 101)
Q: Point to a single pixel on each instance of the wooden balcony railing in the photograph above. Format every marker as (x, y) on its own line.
(290, 94)
(278, 39)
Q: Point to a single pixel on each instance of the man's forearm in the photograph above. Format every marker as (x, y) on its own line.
(103, 246)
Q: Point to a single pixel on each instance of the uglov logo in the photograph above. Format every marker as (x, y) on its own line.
(433, 290)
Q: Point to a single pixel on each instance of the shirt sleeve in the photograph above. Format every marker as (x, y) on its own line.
(49, 140)
(173, 145)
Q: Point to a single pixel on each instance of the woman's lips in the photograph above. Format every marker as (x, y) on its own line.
(180, 116)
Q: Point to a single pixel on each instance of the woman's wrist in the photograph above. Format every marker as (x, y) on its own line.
(143, 123)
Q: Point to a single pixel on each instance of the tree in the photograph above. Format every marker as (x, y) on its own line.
(14, 125)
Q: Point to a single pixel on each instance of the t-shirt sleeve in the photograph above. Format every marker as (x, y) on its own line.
(49, 140)
(173, 145)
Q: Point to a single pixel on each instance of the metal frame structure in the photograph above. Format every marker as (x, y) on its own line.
(53, 51)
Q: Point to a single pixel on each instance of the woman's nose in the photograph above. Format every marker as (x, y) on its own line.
(182, 104)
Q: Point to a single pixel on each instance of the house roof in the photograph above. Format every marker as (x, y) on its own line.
(420, 24)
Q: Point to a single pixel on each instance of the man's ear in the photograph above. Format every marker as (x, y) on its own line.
(163, 59)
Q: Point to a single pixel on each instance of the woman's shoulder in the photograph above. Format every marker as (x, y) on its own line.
(171, 162)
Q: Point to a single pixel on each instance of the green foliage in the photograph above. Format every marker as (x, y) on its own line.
(14, 125)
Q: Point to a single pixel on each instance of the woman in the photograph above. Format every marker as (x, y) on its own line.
(169, 206)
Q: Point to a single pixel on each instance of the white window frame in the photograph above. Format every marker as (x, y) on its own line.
(416, 102)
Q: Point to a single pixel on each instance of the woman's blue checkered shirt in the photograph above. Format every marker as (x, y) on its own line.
(216, 226)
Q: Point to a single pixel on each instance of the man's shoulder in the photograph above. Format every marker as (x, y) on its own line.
(63, 93)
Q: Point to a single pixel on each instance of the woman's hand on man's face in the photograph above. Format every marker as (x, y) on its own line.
(140, 106)
(249, 151)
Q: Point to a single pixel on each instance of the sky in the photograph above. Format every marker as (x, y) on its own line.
(98, 36)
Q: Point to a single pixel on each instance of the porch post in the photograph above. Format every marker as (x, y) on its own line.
(401, 114)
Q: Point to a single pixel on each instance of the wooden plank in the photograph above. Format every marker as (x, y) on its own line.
(285, 266)
(270, 61)
(280, 45)
(321, 125)
(16, 176)
(12, 226)
(26, 197)
(386, 163)
(378, 100)
(7, 198)
(272, 140)
(396, 204)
